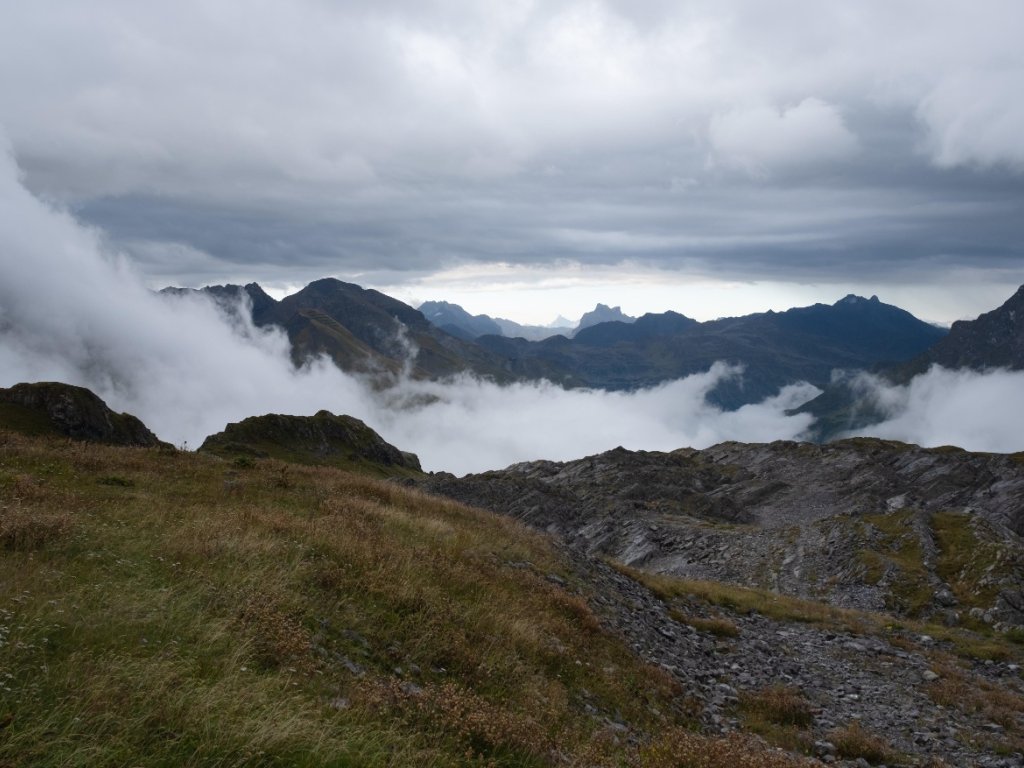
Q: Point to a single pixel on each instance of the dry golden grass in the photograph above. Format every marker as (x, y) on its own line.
(747, 599)
(853, 741)
(781, 705)
(168, 608)
(719, 626)
(684, 749)
(957, 688)
(967, 643)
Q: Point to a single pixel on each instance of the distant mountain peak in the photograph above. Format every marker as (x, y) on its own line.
(602, 313)
(852, 298)
(994, 339)
(455, 320)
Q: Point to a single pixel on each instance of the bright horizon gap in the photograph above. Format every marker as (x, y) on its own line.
(539, 299)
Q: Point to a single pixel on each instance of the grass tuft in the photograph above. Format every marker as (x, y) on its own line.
(854, 741)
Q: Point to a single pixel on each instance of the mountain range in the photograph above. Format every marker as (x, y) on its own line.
(453, 319)
(458, 322)
(365, 331)
(994, 340)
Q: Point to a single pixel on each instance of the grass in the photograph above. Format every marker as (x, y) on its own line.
(957, 688)
(748, 599)
(201, 612)
(781, 715)
(854, 741)
(898, 547)
(964, 560)
(682, 749)
(968, 643)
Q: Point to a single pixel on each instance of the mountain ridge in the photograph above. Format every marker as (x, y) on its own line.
(994, 339)
(802, 519)
(368, 332)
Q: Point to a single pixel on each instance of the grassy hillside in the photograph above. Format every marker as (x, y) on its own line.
(163, 608)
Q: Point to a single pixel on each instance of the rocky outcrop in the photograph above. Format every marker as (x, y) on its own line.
(339, 441)
(861, 523)
(76, 412)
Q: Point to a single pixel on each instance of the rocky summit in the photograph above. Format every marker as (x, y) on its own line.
(324, 439)
(75, 412)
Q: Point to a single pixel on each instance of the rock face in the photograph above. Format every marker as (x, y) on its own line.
(361, 330)
(862, 523)
(339, 441)
(602, 313)
(53, 407)
(993, 340)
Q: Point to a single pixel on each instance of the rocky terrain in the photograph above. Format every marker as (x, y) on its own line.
(861, 523)
(853, 602)
(914, 693)
(840, 550)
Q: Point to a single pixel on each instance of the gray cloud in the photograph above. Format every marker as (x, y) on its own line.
(797, 140)
(71, 311)
(978, 411)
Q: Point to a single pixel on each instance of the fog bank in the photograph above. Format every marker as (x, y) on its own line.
(73, 311)
(978, 411)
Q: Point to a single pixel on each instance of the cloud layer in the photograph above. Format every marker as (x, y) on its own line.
(72, 311)
(283, 141)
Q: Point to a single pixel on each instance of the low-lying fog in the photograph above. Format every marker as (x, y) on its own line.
(72, 311)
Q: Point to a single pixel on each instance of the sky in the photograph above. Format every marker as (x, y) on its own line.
(77, 310)
(528, 159)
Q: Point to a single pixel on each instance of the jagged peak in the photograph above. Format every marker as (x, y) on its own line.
(853, 299)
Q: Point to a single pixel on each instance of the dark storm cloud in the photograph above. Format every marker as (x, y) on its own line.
(283, 141)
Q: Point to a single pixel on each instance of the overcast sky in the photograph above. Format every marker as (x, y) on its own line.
(529, 158)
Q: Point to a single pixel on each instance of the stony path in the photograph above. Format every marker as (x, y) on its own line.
(845, 677)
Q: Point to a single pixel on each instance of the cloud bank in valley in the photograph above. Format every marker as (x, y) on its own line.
(72, 311)
(972, 410)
